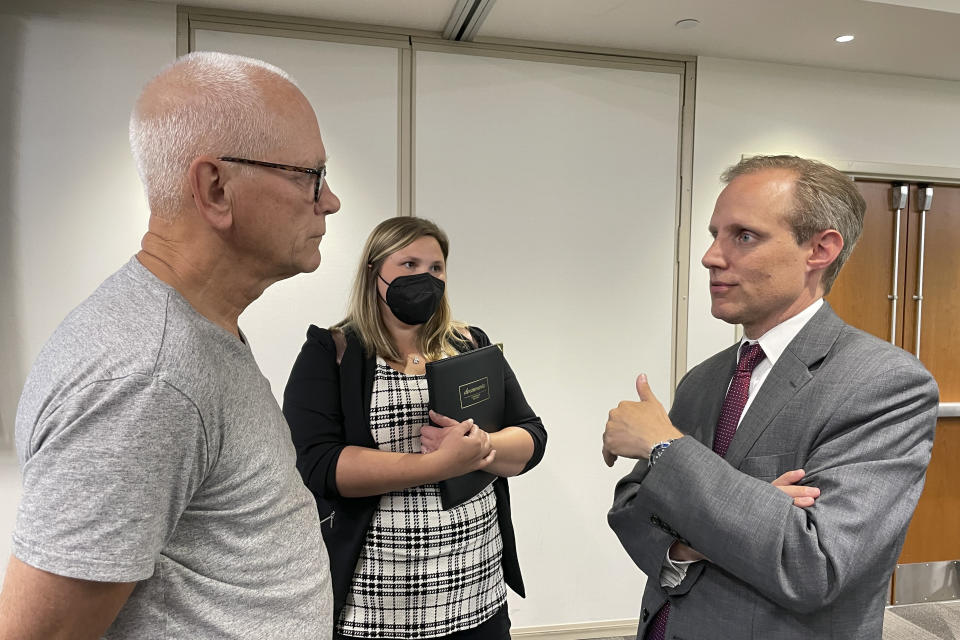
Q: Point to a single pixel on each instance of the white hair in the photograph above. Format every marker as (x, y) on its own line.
(203, 103)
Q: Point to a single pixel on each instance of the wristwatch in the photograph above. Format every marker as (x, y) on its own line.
(657, 451)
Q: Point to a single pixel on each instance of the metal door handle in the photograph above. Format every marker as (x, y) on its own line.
(924, 200)
(948, 410)
(898, 201)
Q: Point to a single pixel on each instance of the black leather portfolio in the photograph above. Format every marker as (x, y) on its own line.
(468, 385)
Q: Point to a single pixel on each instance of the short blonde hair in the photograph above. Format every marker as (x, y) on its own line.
(203, 103)
(438, 336)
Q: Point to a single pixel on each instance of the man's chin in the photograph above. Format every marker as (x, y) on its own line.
(296, 268)
(310, 268)
(727, 315)
(309, 264)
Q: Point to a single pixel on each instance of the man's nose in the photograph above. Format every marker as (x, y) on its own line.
(328, 203)
(713, 258)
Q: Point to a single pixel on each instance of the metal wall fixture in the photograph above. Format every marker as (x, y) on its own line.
(926, 582)
(899, 201)
(924, 200)
(466, 18)
(948, 410)
(899, 196)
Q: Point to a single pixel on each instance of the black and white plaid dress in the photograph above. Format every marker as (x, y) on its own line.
(423, 572)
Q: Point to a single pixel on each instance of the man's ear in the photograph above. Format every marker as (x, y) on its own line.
(825, 246)
(207, 184)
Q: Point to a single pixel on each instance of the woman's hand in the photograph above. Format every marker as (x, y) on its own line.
(462, 446)
(431, 437)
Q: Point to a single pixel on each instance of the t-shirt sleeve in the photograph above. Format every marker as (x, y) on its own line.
(107, 476)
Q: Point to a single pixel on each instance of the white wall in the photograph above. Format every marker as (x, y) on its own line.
(9, 499)
(547, 168)
(752, 107)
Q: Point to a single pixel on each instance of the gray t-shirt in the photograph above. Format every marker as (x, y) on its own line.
(152, 450)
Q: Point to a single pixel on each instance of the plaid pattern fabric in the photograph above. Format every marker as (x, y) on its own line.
(423, 572)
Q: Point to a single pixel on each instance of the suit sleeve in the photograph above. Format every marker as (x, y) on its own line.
(869, 460)
(644, 540)
(517, 411)
(311, 405)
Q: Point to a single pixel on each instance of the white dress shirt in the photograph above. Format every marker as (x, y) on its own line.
(774, 342)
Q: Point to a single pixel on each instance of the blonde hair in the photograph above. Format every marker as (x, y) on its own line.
(435, 338)
(203, 103)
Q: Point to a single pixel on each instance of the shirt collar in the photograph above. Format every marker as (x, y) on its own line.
(774, 342)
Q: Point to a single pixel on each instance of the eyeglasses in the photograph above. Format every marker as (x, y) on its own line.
(321, 173)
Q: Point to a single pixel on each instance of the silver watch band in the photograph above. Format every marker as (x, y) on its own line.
(657, 451)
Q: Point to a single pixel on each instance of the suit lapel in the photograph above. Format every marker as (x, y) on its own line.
(783, 382)
(702, 419)
(791, 372)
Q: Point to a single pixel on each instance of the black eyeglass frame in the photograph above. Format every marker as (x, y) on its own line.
(321, 173)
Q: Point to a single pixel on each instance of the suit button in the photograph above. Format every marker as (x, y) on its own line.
(644, 615)
(655, 520)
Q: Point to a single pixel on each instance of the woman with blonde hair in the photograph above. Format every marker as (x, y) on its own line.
(356, 402)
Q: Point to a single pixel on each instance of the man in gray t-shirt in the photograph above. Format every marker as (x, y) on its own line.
(153, 450)
(160, 494)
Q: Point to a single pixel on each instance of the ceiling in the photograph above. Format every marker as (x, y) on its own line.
(913, 37)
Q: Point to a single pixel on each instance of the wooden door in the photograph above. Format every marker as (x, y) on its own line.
(861, 293)
(934, 533)
(861, 296)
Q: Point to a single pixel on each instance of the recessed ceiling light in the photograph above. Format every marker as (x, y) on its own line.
(845, 38)
(686, 23)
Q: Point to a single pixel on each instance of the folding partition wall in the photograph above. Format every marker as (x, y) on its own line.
(558, 186)
(557, 177)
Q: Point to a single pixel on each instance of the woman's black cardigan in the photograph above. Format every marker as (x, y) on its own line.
(328, 408)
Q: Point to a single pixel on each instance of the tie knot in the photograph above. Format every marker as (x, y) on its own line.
(750, 356)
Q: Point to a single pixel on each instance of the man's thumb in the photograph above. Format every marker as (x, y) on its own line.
(643, 389)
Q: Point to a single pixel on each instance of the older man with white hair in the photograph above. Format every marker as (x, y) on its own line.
(160, 494)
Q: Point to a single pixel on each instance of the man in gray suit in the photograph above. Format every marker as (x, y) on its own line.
(773, 500)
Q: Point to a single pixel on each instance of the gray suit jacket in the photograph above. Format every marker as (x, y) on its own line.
(858, 414)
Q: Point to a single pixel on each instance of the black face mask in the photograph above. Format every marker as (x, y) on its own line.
(414, 299)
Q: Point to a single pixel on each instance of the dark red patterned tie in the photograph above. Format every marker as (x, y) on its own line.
(750, 356)
(658, 628)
